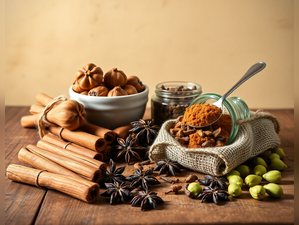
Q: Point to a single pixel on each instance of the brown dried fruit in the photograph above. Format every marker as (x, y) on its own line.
(69, 114)
(115, 77)
(84, 93)
(98, 91)
(134, 81)
(117, 91)
(89, 76)
(76, 87)
(130, 89)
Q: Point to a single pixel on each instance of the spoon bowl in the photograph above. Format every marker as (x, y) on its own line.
(254, 69)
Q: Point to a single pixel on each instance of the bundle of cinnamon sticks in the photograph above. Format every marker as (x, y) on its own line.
(65, 160)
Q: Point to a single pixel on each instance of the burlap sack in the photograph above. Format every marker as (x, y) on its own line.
(256, 135)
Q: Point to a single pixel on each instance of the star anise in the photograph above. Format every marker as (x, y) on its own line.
(114, 174)
(117, 191)
(144, 180)
(146, 199)
(210, 194)
(168, 166)
(145, 128)
(213, 182)
(127, 147)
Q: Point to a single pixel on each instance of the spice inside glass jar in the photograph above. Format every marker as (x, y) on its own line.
(235, 107)
(171, 99)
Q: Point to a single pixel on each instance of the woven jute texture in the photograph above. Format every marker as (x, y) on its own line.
(256, 135)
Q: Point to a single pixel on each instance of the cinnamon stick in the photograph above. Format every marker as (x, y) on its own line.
(30, 120)
(123, 131)
(73, 147)
(38, 161)
(102, 132)
(43, 99)
(36, 109)
(88, 172)
(82, 189)
(80, 137)
(72, 155)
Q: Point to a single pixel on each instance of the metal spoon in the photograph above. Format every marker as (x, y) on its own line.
(256, 68)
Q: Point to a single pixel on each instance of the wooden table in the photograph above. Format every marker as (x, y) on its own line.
(26, 204)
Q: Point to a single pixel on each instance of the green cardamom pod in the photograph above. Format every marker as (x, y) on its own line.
(194, 188)
(243, 170)
(234, 190)
(273, 176)
(273, 156)
(277, 164)
(279, 151)
(259, 161)
(259, 170)
(235, 179)
(252, 180)
(232, 172)
(274, 190)
(257, 192)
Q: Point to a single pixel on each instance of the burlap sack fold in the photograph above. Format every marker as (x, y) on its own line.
(256, 135)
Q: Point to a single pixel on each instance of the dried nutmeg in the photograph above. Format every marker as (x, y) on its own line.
(84, 93)
(130, 89)
(98, 91)
(117, 91)
(134, 81)
(89, 76)
(76, 87)
(69, 114)
(115, 77)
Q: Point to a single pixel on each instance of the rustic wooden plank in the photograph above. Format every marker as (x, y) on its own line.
(58, 208)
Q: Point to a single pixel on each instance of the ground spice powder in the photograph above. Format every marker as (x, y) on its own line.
(201, 114)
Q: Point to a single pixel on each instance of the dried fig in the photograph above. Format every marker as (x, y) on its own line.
(89, 76)
(134, 81)
(130, 89)
(115, 77)
(117, 91)
(98, 91)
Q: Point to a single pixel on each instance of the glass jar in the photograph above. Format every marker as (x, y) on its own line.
(234, 106)
(171, 99)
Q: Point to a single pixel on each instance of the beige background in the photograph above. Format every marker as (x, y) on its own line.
(212, 43)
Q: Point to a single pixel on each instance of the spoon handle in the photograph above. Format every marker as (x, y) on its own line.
(256, 68)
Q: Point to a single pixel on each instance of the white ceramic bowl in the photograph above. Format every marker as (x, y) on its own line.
(112, 112)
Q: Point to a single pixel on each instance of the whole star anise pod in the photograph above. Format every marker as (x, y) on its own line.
(146, 199)
(117, 191)
(210, 194)
(144, 180)
(127, 147)
(213, 182)
(168, 166)
(145, 128)
(114, 174)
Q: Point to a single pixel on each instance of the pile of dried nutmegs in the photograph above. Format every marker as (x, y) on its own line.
(90, 80)
(215, 135)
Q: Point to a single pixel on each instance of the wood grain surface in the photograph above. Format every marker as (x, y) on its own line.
(26, 204)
